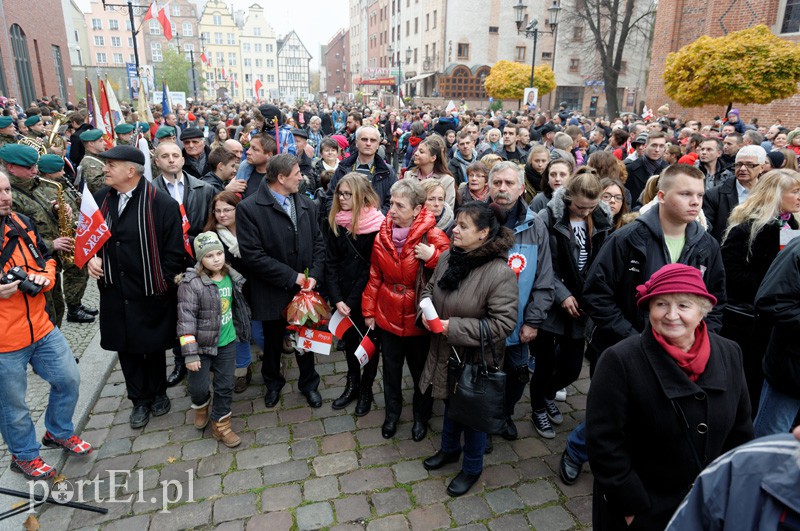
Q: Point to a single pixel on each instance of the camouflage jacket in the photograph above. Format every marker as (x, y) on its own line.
(7, 139)
(35, 200)
(91, 171)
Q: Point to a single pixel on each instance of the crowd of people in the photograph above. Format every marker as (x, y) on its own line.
(662, 251)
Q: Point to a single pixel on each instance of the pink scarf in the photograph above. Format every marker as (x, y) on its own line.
(399, 237)
(369, 221)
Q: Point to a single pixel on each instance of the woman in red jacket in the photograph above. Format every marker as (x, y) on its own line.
(389, 299)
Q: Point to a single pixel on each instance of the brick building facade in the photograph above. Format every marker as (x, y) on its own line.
(681, 22)
(34, 56)
(336, 59)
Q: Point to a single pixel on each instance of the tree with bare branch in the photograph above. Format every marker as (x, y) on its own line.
(612, 26)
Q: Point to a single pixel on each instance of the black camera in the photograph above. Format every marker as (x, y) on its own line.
(26, 285)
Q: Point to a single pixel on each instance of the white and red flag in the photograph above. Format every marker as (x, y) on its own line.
(365, 351)
(339, 324)
(152, 12)
(317, 341)
(166, 23)
(258, 89)
(92, 230)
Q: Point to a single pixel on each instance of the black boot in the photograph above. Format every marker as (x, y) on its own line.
(177, 375)
(364, 404)
(90, 311)
(351, 392)
(76, 314)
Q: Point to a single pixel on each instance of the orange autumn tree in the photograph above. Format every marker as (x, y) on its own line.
(747, 66)
(508, 80)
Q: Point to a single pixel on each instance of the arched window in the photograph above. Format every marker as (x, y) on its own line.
(22, 62)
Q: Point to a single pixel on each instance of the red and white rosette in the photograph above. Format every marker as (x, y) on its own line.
(434, 323)
(517, 262)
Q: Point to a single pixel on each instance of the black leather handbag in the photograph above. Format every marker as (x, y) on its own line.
(477, 394)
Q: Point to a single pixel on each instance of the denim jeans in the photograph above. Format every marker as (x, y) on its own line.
(244, 356)
(222, 365)
(474, 443)
(516, 356)
(53, 361)
(576, 444)
(776, 413)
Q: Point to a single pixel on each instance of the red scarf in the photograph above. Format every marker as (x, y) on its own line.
(694, 362)
(480, 196)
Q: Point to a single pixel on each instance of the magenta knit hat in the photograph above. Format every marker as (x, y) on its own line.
(673, 278)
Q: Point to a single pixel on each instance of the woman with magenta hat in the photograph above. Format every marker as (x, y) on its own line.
(663, 405)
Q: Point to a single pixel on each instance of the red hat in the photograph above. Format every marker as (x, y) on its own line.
(342, 141)
(673, 278)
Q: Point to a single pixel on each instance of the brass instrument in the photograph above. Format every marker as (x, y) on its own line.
(35, 143)
(56, 140)
(66, 228)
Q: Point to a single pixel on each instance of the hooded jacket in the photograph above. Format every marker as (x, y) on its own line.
(390, 295)
(458, 166)
(199, 312)
(629, 258)
(564, 250)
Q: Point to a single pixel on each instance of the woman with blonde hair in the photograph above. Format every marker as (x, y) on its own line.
(430, 162)
(353, 223)
(791, 159)
(438, 206)
(749, 247)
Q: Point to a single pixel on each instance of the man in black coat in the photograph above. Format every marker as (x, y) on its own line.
(667, 233)
(644, 167)
(79, 124)
(195, 152)
(721, 200)
(380, 174)
(279, 238)
(134, 270)
(194, 197)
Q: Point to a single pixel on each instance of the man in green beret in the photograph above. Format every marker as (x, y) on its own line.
(8, 133)
(124, 133)
(91, 169)
(35, 127)
(37, 200)
(51, 167)
(165, 134)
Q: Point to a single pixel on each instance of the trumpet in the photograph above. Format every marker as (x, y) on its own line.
(66, 228)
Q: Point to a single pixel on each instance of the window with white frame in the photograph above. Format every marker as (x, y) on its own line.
(270, 63)
(257, 47)
(174, 28)
(155, 27)
(259, 63)
(188, 29)
(116, 42)
(269, 47)
(231, 59)
(217, 20)
(231, 39)
(113, 25)
(155, 51)
(101, 58)
(270, 78)
(130, 42)
(118, 59)
(217, 37)
(127, 25)
(176, 10)
(246, 47)
(257, 32)
(97, 24)
(99, 40)
(188, 47)
(132, 58)
(248, 61)
(220, 59)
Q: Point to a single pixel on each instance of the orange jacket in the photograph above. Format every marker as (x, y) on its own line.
(25, 319)
(390, 295)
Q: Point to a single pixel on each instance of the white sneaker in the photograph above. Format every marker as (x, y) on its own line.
(561, 395)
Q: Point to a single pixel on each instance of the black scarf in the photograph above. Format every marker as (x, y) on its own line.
(461, 263)
(652, 166)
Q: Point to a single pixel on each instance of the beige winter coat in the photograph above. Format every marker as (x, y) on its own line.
(489, 291)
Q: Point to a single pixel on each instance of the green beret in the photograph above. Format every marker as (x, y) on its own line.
(50, 163)
(165, 131)
(123, 129)
(33, 120)
(5, 121)
(144, 127)
(19, 154)
(91, 135)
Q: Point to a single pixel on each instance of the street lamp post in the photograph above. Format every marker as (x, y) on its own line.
(532, 30)
(134, 32)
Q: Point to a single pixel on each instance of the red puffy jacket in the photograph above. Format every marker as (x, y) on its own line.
(390, 295)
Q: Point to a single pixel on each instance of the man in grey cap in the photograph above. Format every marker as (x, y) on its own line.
(134, 270)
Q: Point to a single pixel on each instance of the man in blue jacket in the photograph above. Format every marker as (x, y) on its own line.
(531, 261)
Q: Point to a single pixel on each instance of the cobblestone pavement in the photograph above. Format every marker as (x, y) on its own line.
(79, 336)
(299, 468)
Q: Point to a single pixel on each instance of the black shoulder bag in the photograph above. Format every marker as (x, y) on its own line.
(477, 396)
